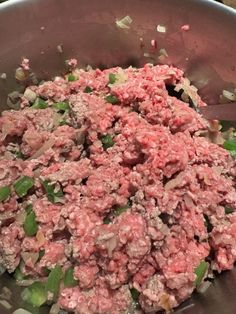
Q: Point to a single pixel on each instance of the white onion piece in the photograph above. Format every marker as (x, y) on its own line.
(161, 28)
(54, 309)
(48, 144)
(2, 269)
(121, 77)
(30, 95)
(173, 183)
(6, 294)
(20, 74)
(56, 119)
(21, 311)
(5, 304)
(3, 76)
(163, 52)
(33, 256)
(25, 282)
(60, 48)
(146, 55)
(40, 237)
(20, 217)
(112, 243)
(124, 22)
(229, 95)
(204, 286)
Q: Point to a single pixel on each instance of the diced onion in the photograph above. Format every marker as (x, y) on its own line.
(162, 59)
(146, 55)
(204, 286)
(173, 183)
(5, 304)
(56, 119)
(229, 95)
(3, 76)
(21, 311)
(55, 309)
(25, 282)
(163, 52)
(48, 144)
(40, 237)
(2, 269)
(13, 100)
(33, 256)
(161, 28)
(60, 48)
(124, 22)
(30, 95)
(20, 217)
(112, 243)
(121, 77)
(20, 74)
(6, 294)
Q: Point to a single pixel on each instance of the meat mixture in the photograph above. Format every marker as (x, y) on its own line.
(112, 198)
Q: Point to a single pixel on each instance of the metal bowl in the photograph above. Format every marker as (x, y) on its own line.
(50, 31)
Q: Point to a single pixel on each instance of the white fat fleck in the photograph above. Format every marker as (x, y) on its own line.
(3, 76)
(146, 55)
(60, 48)
(161, 28)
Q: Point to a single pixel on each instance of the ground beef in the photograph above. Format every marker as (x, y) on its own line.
(125, 190)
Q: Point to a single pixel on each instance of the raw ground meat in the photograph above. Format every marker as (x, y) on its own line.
(134, 190)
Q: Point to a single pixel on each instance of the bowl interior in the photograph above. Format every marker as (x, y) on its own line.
(50, 31)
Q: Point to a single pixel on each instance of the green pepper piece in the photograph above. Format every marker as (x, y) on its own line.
(23, 185)
(30, 225)
(200, 272)
(112, 99)
(228, 210)
(41, 254)
(107, 141)
(135, 294)
(69, 280)
(35, 294)
(119, 210)
(63, 122)
(71, 78)
(230, 145)
(29, 208)
(19, 155)
(54, 279)
(112, 78)
(106, 221)
(4, 193)
(52, 196)
(18, 275)
(61, 106)
(88, 89)
(39, 104)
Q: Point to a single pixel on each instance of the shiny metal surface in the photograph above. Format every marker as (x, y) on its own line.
(86, 30)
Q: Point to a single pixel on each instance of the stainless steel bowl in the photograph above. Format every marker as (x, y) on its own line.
(87, 31)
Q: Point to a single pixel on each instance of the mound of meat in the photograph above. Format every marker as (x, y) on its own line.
(125, 191)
